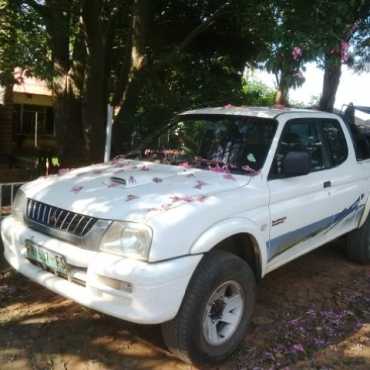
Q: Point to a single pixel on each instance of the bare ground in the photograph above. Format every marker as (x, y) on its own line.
(311, 314)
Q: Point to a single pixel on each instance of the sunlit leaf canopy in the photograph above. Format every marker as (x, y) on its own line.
(153, 58)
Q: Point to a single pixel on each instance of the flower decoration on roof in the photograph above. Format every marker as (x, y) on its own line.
(131, 197)
(63, 171)
(186, 165)
(229, 176)
(175, 200)
(76, 189)
(199, 185)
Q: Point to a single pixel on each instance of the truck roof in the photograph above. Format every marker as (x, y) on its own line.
(264, 112)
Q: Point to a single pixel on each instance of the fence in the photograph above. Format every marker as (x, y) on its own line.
(7, 194)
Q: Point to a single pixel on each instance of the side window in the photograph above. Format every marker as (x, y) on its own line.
(299, 135)
(335, 141)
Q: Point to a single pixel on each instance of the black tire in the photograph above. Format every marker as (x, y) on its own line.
(358, 244)
(184, 335)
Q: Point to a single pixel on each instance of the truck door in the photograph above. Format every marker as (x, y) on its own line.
(344, 180)
(299, 211)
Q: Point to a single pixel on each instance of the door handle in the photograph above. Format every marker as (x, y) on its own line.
(327, 184)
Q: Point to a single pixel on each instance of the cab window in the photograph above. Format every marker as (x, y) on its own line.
(299, 135)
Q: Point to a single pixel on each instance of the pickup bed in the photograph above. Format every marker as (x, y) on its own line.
(179, 233)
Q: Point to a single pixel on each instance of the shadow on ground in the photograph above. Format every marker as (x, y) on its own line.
(311, 314)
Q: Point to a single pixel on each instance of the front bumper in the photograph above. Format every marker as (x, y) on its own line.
(157, 288)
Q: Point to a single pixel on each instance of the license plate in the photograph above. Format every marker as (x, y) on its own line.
(48, 260)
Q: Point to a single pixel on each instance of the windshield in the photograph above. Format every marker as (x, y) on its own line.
(224, 143)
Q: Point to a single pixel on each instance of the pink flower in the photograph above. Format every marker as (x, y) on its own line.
(185, 198)
(63, 171)
(344, 51)
(297, 53)
(218, 169)
(185, 165)
(229, 176)
(76, 189)
(200, 184)
(131, 197)
(298, 348)
(157, 180)
(250, 170)
(118, 158)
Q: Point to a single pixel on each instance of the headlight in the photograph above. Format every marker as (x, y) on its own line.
(128, 239)
(19, 205)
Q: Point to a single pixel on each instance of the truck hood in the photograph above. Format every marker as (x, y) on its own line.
(130, 190)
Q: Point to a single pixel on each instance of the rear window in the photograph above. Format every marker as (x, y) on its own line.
(335, 141)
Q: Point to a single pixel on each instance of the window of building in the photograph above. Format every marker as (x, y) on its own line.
(34, 119)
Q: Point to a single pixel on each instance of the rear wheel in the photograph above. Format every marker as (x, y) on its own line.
(215, 312)
(358, 244)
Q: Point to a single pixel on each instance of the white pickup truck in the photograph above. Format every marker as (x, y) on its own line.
(180, 234)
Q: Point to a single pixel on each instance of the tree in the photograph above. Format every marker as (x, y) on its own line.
(102, 51)
(289, 45)
(343, 23)
(22, 41)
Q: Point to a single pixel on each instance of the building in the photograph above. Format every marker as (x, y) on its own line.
(27, 128)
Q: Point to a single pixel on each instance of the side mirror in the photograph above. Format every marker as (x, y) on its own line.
(296, 164)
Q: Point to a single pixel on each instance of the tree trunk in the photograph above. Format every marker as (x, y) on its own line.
(133, 74)
(67, 108)
(281, 97)
(282, 93)
(332, 74)
(95, 101)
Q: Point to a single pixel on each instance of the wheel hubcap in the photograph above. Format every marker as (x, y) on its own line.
(223, 313)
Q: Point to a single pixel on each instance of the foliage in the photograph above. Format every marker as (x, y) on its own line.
(256, 93)
(23, 41)
(360, 41)
(289, 44)
(152, 58)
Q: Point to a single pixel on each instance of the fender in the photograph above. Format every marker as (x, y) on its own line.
(227, 228)
(365, 214)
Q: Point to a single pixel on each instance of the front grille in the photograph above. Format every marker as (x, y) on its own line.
(58, 218)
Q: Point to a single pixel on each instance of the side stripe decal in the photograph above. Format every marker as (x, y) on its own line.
(286, 241)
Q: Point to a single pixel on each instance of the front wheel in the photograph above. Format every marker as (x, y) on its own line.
(215, 312)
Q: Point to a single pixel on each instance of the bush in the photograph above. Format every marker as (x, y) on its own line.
(258, 94)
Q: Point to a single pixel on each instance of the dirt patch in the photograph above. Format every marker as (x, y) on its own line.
(311, 314)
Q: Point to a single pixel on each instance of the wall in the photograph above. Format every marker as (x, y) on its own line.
(23, 98)
(6, 133)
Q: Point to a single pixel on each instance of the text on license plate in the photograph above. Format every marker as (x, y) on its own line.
(49, 260)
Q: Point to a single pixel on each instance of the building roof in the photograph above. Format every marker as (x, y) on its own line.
(264, 112)
(29, 85)
(33, 86)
